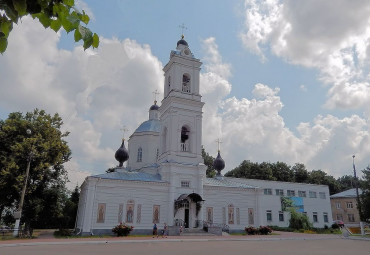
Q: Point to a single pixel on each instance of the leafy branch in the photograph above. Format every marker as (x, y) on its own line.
(52, 14)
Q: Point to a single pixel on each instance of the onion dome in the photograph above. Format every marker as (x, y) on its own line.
(218, 164)
(182, 41)
(154, 106)
(121, 154)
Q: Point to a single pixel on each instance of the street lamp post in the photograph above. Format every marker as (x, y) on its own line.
(18, 214)
(358, 196)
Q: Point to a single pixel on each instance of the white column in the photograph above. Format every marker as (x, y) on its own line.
(171, 199)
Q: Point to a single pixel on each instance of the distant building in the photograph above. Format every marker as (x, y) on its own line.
(165, 178)
(344, 206)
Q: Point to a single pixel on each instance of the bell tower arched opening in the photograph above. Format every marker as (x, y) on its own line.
(186, 85)
(185, 138)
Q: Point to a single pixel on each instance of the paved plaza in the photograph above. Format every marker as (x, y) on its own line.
(283, 244)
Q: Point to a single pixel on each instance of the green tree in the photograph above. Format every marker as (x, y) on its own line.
(320, 177)
(282, 172)
(365, 196)
(251, 170)
(346, 182)
(52, 14)
(208, 161)
(47, 152)
(301, 174)
(299, 221)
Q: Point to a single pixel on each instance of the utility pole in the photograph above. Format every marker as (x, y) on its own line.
(358, 196)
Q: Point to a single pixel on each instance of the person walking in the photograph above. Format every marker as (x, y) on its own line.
(155, 230)
(165, 230)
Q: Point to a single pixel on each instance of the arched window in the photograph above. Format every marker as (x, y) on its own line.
(184, 138)
(186, 83)
(139, 154)
(169, 81)
(164, 140)
(231, 214)
(130, 211)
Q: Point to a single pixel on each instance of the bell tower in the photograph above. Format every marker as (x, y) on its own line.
(181, 108)
(181, 162)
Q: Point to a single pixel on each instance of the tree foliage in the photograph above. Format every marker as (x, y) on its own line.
(208, 161)
(52, 14)
(365, 196)
(47, 152)
(280, 171)
(299, 221)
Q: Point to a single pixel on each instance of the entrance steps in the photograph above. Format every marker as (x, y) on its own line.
(195, 232)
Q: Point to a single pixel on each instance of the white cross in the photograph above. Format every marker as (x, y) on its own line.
(182, 29)
(124, 129)
(218, 143)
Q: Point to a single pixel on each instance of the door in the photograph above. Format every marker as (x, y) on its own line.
(187, 218)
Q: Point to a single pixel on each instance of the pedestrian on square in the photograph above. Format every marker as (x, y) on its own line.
(155, 230)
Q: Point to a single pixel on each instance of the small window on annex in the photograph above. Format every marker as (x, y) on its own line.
(290, 193)
(301, 193)
(267, 191)
(326, 218)
(337, 204)
(279, 192)
(349, 205)
(139, 154)
(281, 216)
(314, 217)
(322, 195)
(312, 194)
(269, 215)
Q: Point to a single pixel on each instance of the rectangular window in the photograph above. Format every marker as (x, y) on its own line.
(138, 214)
(279, 192)
(237, 216)
(101, 213)
(314, 217)
(313, 194)
(185, 184)
(351, 217)
(210, 214)
(301, 193)
(337, 205)
(224, 215)
(120, 213)
(267, 191)
(322, 195)
(156, 211)
(269, 215)
(290, 193)
(326, 219)
(339, 217)
(281, 216)
(349, 205)
(250, 216)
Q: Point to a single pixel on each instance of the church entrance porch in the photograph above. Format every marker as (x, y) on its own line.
(188, 210)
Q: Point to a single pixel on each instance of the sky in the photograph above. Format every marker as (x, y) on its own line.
(282, 80)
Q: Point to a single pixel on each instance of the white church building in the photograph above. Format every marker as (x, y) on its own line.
(165, 177)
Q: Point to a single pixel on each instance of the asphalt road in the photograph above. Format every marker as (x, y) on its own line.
(194, 247)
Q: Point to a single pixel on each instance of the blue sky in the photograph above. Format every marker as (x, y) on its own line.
(282, 80)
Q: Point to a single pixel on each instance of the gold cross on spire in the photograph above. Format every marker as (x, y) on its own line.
(155, 93)
(182, 29)
(123, 129)
(218, 143)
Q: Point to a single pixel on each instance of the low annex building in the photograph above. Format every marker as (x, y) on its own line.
(165, 177)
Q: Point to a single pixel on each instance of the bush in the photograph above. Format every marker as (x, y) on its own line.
(251, 230)
(264, 230)
(122, 229)
(285, 229)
